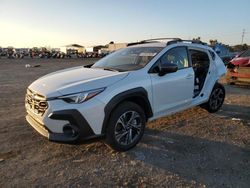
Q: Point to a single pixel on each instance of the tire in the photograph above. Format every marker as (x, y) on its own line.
(216, 99)
(126, 126)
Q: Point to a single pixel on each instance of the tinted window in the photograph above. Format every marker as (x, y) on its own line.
(177, 56)
(212, 55)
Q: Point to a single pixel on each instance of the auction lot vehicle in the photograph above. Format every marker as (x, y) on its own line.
(117, 95)
(238, 70)
(224, 53)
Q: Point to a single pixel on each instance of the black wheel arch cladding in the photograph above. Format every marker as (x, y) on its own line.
(137, 95)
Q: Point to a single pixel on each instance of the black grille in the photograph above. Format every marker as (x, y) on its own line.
(35, 102)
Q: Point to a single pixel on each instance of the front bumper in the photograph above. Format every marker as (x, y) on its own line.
(37, 126)
(76, 129)
(63, 122)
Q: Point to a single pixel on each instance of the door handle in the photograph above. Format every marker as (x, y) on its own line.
(189, 76)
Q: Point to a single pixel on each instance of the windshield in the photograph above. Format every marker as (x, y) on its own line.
(245, 54)
(128, 59)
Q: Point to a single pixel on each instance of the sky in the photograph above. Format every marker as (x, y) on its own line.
(29, 23)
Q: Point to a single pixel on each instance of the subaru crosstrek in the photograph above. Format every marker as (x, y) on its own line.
(120, 93)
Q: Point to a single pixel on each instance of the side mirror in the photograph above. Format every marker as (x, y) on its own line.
(165, 68)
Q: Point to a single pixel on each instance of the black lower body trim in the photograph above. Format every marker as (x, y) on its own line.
(80, 128)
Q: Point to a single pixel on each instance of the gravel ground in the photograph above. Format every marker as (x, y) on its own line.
(189, 149)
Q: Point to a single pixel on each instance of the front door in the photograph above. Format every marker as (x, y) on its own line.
(173, 91)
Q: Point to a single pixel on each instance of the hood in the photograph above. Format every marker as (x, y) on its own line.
(241, 61)
(75, 80)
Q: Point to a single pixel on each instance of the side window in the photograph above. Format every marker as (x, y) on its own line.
(177, 56)
(212, 55)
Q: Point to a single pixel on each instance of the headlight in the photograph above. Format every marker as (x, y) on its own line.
(78, 98)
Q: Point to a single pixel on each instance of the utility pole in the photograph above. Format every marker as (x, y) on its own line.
(242, 36)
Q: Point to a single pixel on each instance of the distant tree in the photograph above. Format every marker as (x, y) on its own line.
(198, 39)
(112, 42)
(213, 42)
(244, 47)
(239, 48)
(230, 48)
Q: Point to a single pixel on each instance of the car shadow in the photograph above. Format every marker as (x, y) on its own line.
(235, 111)
(215, 164)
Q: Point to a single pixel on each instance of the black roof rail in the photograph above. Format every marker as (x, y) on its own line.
(135, 43)
(191, 41)
(172, 41)
(151, 41)
(157, 39)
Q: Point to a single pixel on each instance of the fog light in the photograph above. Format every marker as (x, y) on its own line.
(69, 131)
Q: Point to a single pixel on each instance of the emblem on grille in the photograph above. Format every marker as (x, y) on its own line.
(36, 103)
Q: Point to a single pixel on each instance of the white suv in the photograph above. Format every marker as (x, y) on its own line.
(117, 95)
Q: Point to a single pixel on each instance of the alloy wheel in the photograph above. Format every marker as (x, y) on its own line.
(128, 127)
(217, 98)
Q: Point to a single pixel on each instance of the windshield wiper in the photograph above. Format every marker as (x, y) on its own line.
(110, 69)
(88, 66)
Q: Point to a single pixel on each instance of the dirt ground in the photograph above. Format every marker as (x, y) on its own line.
(189, 149)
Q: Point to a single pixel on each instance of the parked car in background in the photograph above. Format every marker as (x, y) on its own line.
(116, 96)
(224, 53)
(242, 59)
(10, 52)
(239, 68)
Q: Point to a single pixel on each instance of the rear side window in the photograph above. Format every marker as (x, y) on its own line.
(177, 56)
(212, 54)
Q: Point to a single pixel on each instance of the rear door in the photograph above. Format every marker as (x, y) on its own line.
(204, 70)
(173, 91)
